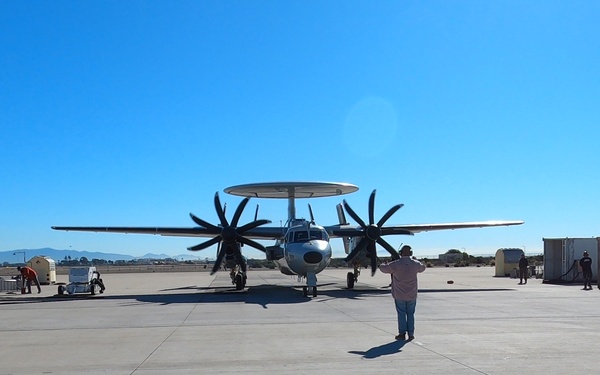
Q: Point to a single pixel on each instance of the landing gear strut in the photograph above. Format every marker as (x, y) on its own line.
(352, 277)
(311, 282)
(238, 278)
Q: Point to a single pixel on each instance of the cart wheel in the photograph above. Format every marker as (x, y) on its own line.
(61, 290)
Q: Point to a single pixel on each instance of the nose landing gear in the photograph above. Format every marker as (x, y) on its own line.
(311, 282)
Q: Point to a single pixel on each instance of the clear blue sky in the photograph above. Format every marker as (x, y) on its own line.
(135, 113)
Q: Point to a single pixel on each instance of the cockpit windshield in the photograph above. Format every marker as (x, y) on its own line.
(303, 235)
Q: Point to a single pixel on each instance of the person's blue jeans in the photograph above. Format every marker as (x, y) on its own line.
(406, 316)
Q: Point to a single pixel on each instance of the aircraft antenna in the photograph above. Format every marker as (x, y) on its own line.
(312, 217)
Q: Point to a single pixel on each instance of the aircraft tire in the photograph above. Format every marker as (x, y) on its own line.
(350, 280)
(239, 282)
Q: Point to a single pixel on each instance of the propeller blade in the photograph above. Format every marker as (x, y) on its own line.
(389, 214)
(389, 248)
(372, 207)
(361, 245)
(238, 212)
(252, 225)
(220, 211)
(371, 249)
(372, 234)
(228, 236)
(373, 265)
(205, 224)
(354, 215)
(218, 261)
(206, 244)
(252, 243)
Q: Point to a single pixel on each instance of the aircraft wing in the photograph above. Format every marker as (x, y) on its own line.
(256, 233)
(410, 229)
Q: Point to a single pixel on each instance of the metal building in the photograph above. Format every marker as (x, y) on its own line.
(561, 258)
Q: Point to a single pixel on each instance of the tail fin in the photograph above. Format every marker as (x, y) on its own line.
(343, 221)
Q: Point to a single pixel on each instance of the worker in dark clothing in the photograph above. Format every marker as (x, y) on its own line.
(523, 269)
(29, 275)
(586, 269)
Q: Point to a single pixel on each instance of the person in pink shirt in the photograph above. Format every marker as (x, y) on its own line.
(404, 290)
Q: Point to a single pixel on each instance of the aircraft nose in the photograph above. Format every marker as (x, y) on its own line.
(313, 257)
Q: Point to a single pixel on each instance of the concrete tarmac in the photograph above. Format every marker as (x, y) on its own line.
(195, 323)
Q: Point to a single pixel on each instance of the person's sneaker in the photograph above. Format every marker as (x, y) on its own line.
(410, 338)
(400, 336)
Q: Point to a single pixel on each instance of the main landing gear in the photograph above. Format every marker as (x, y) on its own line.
(352, 277)
(238, 278)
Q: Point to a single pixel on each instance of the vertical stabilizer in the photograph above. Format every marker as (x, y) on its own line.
(343, 221)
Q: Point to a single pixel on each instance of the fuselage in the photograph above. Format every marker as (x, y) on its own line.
(306, 250)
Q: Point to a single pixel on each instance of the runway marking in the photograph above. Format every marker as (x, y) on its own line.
(420, 345)
(165, 340)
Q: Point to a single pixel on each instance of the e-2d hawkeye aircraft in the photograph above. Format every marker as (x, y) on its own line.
(302, 247)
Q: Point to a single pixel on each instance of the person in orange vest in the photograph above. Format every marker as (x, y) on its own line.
(28, 274)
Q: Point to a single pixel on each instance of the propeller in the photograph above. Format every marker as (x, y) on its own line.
(371, 233)
(228, 236)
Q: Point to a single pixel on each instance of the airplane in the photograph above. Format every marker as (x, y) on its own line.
(302, 248)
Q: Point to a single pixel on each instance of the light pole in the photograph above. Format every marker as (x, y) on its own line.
(16, 252)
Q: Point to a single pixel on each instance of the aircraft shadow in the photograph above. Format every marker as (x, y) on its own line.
(381, 350)
(262, 295)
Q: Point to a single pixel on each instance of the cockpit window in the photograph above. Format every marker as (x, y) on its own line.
(300, 236)
(303, 236)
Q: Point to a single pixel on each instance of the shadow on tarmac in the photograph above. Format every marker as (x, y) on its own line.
(262, 295)
(381, 350)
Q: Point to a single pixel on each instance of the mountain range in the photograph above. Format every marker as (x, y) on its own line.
(17, 256)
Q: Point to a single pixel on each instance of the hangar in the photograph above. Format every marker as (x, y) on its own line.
(561, 258)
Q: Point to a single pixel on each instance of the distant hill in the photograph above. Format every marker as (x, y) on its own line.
(16, 256)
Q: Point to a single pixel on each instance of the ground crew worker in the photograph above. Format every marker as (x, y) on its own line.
(28, 275)
(404, 290)
(523, 269)
(586, 268)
